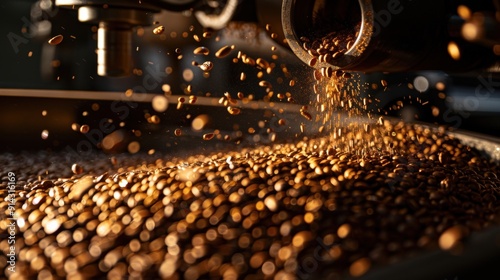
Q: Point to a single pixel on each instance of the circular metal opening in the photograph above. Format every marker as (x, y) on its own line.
(317, 20)
(336, 29)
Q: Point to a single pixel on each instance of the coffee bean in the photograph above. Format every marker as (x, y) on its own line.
(313, 61)
(56, 40)
(451, 237)
(208, 136)
(233, 110)
(77, 169)
(201, 50)
(224, 51)
(258, 212)
(206, 66)
(159, 30)
(84, 129)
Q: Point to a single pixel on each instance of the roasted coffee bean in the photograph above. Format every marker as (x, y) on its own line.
(159, 30)
(206, 66)
(56, 40)
(208, 136)
(224, 51)
(256, 213)
(201, 50)
(77, 169)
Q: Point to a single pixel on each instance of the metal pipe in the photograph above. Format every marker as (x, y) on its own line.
(382, 35)
(114, 50)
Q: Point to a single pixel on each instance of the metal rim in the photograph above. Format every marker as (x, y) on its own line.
(217, 21)
(343, 61)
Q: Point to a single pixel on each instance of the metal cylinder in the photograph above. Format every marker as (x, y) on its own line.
(114, 36)
(117, 18)
(382, 35)
(114, 50)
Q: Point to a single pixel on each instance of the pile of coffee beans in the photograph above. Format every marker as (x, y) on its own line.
(330, 47)
(286, 211)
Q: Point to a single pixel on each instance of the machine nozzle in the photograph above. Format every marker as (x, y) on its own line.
(381, 35)
(114, 53)
(114, 36)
